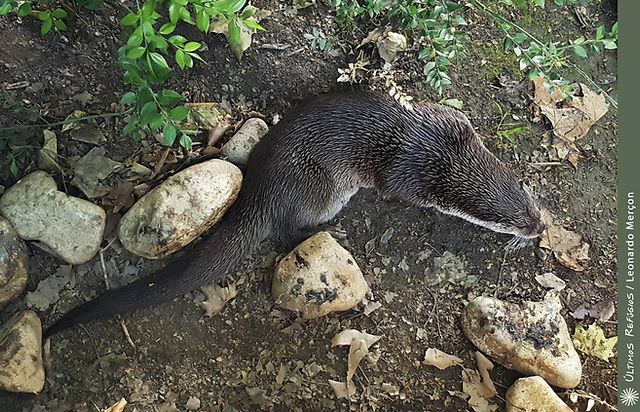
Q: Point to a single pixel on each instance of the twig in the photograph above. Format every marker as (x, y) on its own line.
(75, 120)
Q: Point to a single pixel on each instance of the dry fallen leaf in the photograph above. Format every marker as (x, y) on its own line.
(593, 342)
(566, 246)
(478, 394)
(484, 366)
(573, 120)
(217, 296)
(118, 406)
(359, 343)
(550, 281)
(440, 359)
(343, 390)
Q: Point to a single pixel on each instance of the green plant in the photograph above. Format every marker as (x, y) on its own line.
(144, 56)
(318, 40)
(546, 58)
(14, 144)
(435, 22)
(508, 130)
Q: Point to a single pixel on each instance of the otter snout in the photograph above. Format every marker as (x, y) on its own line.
(535, 230)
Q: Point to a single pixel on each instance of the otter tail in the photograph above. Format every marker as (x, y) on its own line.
(231, 241)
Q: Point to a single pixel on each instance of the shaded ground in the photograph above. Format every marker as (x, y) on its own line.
(254, 356)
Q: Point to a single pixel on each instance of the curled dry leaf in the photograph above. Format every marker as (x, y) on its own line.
(343, 390)
(359, 343)
(601, 311)
(118, 406)
(439, 359)
(478, 395)
(484, 366)
(217, 296)
(566, 246)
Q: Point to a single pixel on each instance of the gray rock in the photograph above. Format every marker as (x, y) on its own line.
(21, 367)
(71, 227)
(13, 263)
(237, 149)
(318, 277)
(529, 337)
(533, 394)
(180, 209)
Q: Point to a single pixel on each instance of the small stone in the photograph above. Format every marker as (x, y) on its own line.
(193, 403)
(13, 263)
(318, 277)
(237, 149)
(180, 209)
(71, 227)
(21, 367)
(529, 337)
(533, 394)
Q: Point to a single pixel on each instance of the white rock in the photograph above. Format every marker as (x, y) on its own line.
(318, 277)
(180, 209)
(534, 394)
(530, 337)
(21, 367)
(237, 149)
(71, 227)
(13, 263)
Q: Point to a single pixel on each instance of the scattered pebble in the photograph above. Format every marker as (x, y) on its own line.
(318, 277)
(533, 394)
(180, 209)
(237, 149)
(71, 227)
(193, 403)
(21, 367)
(13, 263)
(530, 337)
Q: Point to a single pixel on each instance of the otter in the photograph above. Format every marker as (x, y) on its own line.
(305, 169)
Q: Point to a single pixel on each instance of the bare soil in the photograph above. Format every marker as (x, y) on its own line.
(254, 356)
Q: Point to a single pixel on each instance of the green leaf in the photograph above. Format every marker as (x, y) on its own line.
(60, 25)
(134, 41)
(158, 59)
(168, 97)
(185, 141)
(147, 29)
(44, 15)
(24, 9)
(148, 112)
(600, 33)
(253, 25)
(614, 30)
(59, 13)
(196, 56)
(234, 30)
(159, 42)
(177, 40)
(580, 51)
(148, 8)
(178, 113)
(170, 132)
(136, 52)
(131, 126)
(228, 6)
(248, 12)
(609, 44)
(167, 28)
(174, 12)
(46, 26)
(203, 21)
(520, 37)
(191, 46)
(185, 16)
(13, 167)
(429, 66)
(156, 121)
(128, 98)
(129, 20)
(180, 58)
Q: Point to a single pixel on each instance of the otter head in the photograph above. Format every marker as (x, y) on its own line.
(464, 179)
(483, 191)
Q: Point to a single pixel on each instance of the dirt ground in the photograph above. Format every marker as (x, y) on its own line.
(254, 356)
